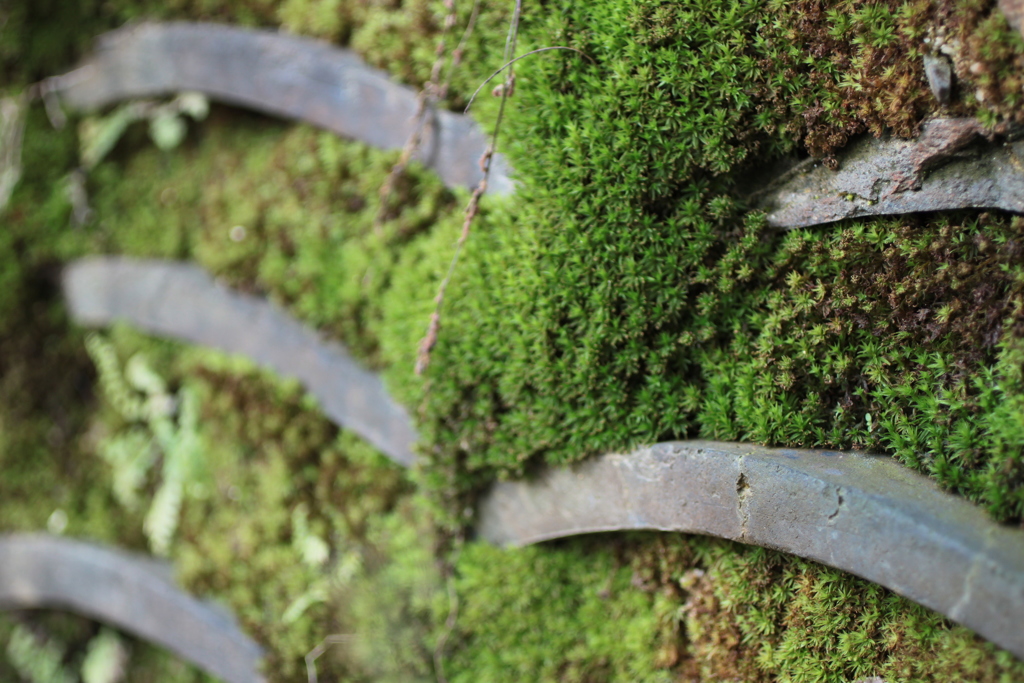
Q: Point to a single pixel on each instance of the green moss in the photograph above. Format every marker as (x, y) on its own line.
(269, 451)
(71, 635)
(692, 608)
(623, 296)
(554, 614)
(756, 615)
(396, 604)
(308, 235)
(876, 336)
(634, 301)
(282, 478)
(44, 383)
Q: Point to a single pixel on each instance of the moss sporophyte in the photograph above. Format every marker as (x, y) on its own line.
(625, 295)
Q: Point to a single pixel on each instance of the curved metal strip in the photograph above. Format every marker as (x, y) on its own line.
(953, 165)
(133, 593)
(182, 301)
(864, 514)
(281, 75)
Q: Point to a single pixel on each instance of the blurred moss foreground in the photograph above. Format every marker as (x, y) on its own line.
(624, 296)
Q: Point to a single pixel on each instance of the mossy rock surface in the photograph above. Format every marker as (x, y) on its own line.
(624, 296)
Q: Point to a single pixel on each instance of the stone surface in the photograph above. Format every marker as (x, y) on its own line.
(132, 593)
(939, 72)
(182, 301)
(864, 514)
(951, 166)
(281, 75)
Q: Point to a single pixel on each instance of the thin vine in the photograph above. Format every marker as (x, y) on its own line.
(433, 92)
(430, 339)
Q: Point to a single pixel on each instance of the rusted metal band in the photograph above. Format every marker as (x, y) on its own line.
(182, 301)
(132, 593)
(282, 75)
(863, 514)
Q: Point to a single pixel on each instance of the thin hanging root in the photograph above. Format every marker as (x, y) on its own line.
(460, 48)
(434, 91)
(430, 340)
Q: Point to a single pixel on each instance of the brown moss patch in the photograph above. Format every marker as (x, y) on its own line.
(928, 283)
(860, 67)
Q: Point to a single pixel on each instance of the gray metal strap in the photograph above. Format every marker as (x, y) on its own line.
(132, 593)
(182, 301)
(864, 514)
(282, 75)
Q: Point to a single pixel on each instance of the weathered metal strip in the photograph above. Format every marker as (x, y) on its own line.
(182, 301)
(864, 514)
(953, 165)
(282, 75)
(132, 593)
